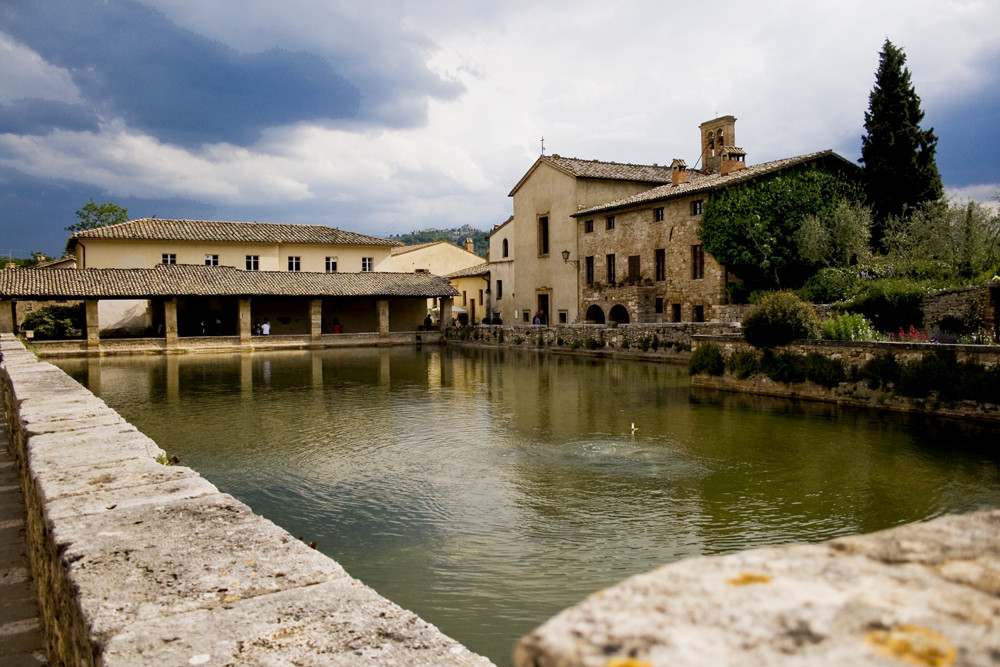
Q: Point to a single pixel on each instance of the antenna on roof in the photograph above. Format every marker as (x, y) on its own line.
(543, 145)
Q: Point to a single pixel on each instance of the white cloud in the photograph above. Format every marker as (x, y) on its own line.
(25, 74)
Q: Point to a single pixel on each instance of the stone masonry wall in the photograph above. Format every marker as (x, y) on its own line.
(653, 341)
(137, 562)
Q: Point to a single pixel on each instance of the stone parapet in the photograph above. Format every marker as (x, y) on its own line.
(137, 562)
(664, 342)
(921, 594)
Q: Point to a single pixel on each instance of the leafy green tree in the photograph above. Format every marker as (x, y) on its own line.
(752, 229)
(838, 237)
(900, 172)
(964, 237)
(98, 215)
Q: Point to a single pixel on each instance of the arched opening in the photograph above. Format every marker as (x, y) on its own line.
(505, 248)
(595, 315)
(618, 314)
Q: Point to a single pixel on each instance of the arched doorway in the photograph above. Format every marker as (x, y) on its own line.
(595, 315)
(618, 314)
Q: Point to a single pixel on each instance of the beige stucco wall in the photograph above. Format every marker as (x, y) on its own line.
(548, 191)
(636, 233)
(126, 254)
(439, 258)
(472, 296)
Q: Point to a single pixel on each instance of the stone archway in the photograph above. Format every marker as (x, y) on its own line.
(595, 314)
(618, 314)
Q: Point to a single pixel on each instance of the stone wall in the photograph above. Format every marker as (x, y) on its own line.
(670, 342)
(921, 594)
(969, 307)
(137, 562)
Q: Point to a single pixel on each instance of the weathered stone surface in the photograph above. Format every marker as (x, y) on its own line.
(85, 447)
(337, 623)
(178, 556)
(913, 595)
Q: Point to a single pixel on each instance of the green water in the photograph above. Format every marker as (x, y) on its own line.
(488, 489)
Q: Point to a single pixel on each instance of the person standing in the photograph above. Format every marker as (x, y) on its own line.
(265, 328)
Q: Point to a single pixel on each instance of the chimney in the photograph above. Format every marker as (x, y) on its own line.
(40, 259)
(733, 159)
(469, 245)
(678, 172)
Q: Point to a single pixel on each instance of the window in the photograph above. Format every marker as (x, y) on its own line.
(168, 258)
(465, 298)
(609, 222)
(367, 264)
(659, 304)
(253, 262)
(661, 264)
(543, 235)
(294, 263)
(658, 214)
(563, 316)
(633, 268)
(697, 262)
(480, 297)
(499, 290)
(698, 314)
(675, 312)
(211, 260)
(506, 248)
(588, 269)
(524, 317)
(331, 264)
(588, 226)
(611, 269)
(697, 207)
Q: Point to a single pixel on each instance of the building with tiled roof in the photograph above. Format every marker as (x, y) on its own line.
(442, 258)
(262, 246)
(593, 241)
(198, 300)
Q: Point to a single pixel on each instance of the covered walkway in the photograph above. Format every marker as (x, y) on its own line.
(189, 301)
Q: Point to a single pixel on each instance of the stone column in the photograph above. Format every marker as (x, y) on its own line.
(170, 321)
(382, 305)
(93, 324)
(445, 312)
(7, 316)
(245, 325)
(315, 318)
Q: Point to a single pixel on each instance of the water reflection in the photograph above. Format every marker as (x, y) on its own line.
(488, 489)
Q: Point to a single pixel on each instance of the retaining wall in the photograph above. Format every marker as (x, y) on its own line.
(664, 342)
(137, 562)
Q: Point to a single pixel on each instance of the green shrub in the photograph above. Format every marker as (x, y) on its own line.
(53, 322)
(786, 367)
(743, 364)
(707, 359)
(881, 371)
(824, 371)
(890, 305)
(830, 285)
(933, 372)
(852, 326)
(779, 319)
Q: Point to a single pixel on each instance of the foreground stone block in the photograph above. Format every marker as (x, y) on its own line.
(925, 594)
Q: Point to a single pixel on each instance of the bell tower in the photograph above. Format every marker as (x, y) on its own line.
(716, 135)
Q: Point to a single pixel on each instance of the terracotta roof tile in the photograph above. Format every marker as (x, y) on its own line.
(154, 229)
(199, 280)
(699, 182)
(476, 270)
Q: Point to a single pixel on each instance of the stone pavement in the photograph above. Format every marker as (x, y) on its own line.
(21, 640)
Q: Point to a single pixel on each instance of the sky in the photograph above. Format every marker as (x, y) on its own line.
(387, 117)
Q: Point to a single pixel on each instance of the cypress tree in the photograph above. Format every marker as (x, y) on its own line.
(898, 157)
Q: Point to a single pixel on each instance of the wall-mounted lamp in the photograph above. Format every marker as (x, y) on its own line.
(567, 260)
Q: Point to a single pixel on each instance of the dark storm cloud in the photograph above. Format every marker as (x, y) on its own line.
(36, 211)
(129, 61)
(34, 116)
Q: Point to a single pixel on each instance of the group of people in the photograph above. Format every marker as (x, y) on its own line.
(540, 318)
(262, 328)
